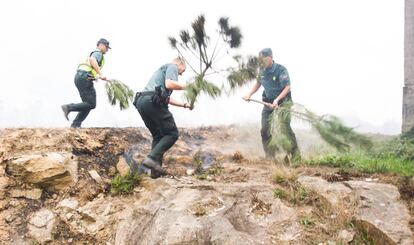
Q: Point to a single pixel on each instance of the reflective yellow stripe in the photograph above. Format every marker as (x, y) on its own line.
(86, 66)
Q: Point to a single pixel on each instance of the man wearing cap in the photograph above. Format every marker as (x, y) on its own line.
(152, 105)
(87, 72)
(276, 83)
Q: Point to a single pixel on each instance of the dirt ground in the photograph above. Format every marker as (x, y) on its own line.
(238, 150)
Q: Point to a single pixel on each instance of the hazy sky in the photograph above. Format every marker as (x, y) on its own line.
(344, 57)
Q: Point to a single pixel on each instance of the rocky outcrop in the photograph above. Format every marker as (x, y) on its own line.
(172, 212)
(379, 210)
(335, 193)
(122, 167)
(382, 214)
(53, 171)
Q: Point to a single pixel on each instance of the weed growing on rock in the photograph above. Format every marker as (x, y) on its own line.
(124, 185)
(199, 210)
(284, 176)
(279, 193)
(308, 222)
(291, 191)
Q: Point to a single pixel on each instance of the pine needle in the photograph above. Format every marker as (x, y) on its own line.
(120, 93)
(231, 35)
(199, 31)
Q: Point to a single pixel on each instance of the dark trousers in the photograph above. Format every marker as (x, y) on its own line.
(88, 95)
(284, 126)
(161, 124)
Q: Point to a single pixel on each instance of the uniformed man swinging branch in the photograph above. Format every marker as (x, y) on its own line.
(152, 105)
(276, 83)
(87, 72)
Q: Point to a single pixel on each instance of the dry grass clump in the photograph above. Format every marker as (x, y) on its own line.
(322, 222)
(237, 157)
(259, 207)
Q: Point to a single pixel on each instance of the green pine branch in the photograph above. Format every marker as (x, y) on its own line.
(330, 128)
(196, 44)
(119, 93)
(199, 86)
(247, 70)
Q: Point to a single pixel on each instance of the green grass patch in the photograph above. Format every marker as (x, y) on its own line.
(366, 163)
(300, 195)
(392, 156)
(295, 194)
(279, 193)
(124, 184)
(308, 222)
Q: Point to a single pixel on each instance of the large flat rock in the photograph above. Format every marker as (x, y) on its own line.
(53, 171)
(380, 212)
(169, 212)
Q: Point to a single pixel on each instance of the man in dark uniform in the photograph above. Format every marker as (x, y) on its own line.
(276, 83)
(152, 105)
(87, 72)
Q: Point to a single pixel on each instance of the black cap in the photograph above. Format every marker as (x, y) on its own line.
(104, 42)
(267, 52)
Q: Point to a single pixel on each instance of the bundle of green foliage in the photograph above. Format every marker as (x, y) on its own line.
(120, 93)
(331, 129)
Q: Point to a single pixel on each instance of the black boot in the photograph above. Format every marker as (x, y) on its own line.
(66, 111)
